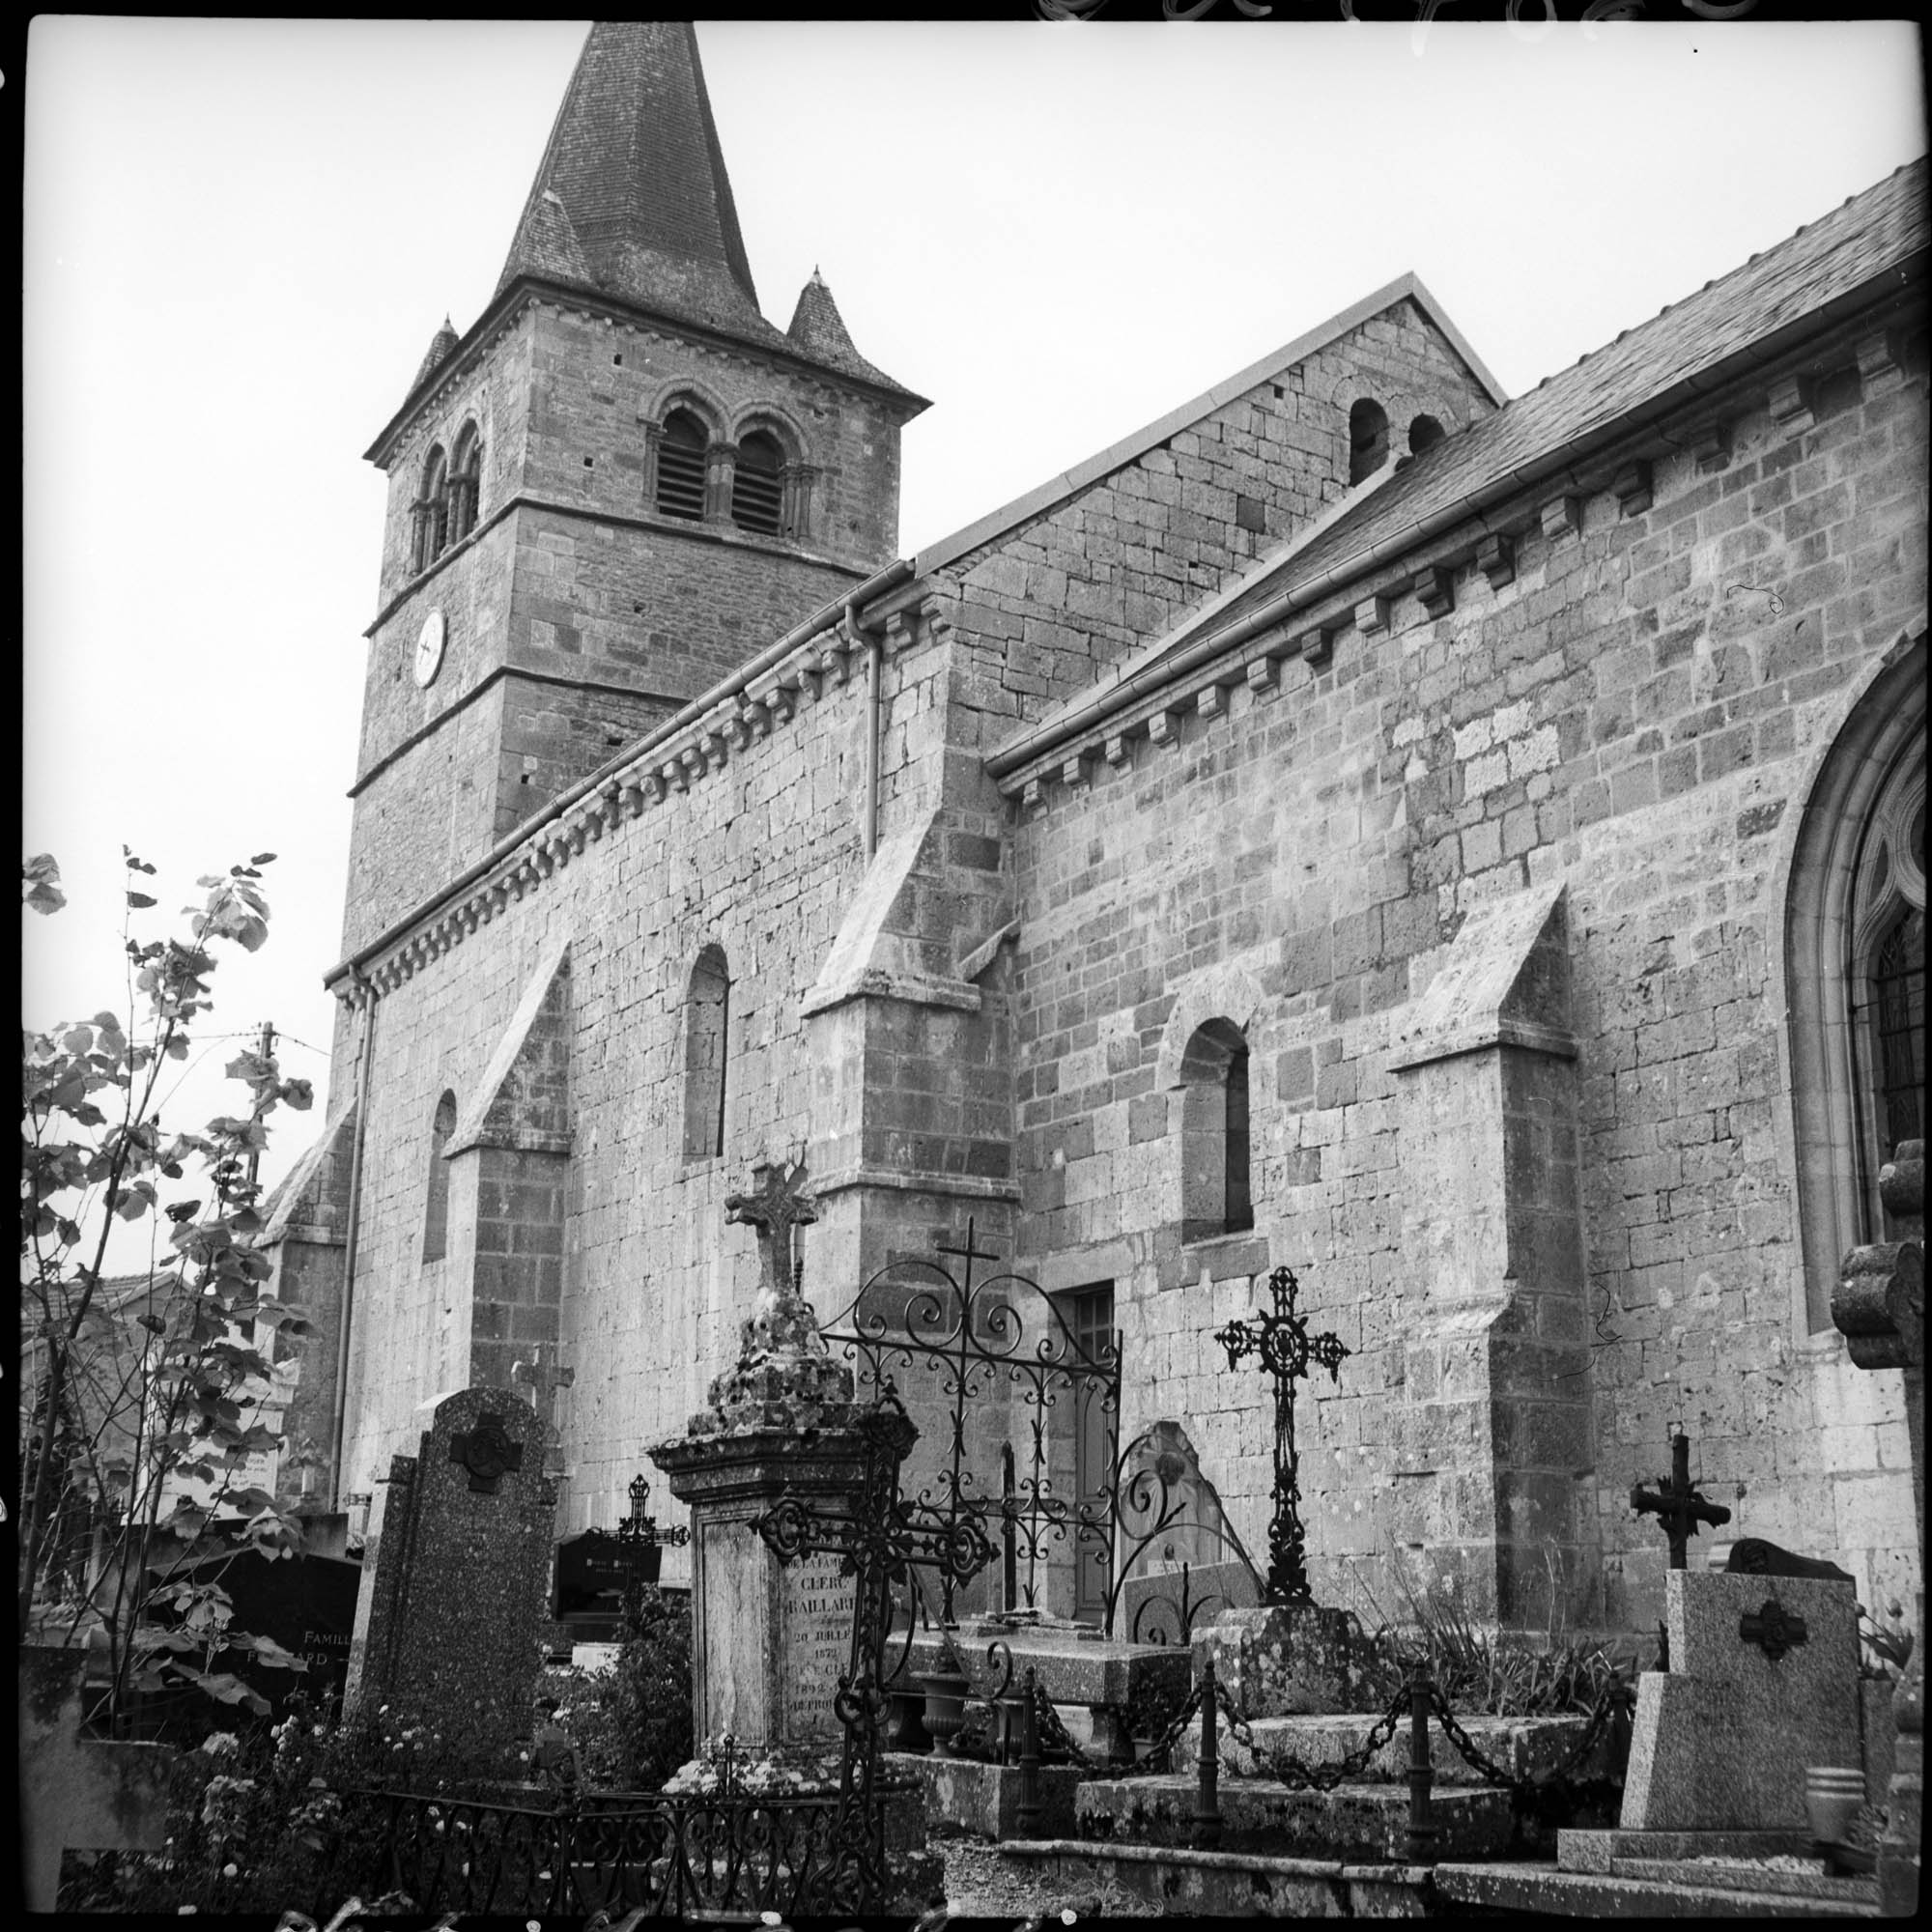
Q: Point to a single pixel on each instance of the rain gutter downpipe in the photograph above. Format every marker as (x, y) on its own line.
(875, 652)
(339, 1419)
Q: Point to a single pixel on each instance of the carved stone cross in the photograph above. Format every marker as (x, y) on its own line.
(1678, 1505)
(543, 1377)
(777, 1204)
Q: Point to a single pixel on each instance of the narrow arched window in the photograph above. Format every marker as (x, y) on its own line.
(1216, 1136)
(757, 489)
(1424, 433)
(465, 484)
(431, 510)
(707, 1026)
(436, 1212)
(680, 486)
(1368, 440)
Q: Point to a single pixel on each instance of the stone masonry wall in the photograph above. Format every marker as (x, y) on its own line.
(1632, 712)
(1050, 605)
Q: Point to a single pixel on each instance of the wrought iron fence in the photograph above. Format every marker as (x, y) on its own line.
(692, 1855)
(1003, 1387)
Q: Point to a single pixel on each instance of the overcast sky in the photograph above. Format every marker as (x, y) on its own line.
(240, 236)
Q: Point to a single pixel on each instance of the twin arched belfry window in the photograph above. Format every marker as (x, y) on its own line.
(756, 484)
(447, 505)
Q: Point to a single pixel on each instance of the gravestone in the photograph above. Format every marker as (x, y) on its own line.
(456, 1576)
(1763, 1684)
(594, 1573)
(77, 1793)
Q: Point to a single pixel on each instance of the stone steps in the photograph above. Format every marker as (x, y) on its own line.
(1353, 1821)
(1523, 1746)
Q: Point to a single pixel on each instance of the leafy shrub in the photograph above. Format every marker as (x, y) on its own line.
(632, 1723)
(269, 1816)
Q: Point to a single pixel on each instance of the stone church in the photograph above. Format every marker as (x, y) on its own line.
(1469, 848)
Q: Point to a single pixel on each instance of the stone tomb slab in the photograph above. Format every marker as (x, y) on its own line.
(1722, 1740)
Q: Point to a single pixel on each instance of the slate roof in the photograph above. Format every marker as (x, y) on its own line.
(634, 162)
(987, 529)
(818, 331)
(1869, 235)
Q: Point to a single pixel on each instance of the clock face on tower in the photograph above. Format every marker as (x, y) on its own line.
(429, 650)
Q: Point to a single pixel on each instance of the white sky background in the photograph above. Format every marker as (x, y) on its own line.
(240, 236)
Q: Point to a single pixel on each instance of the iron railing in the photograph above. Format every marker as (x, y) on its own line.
(991, 1365)
(692, 1855)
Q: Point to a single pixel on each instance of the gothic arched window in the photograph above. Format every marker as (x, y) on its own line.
(465, 483)
(707, 1023)
(757, 489)
(1215, 1197)
(436, 1212)
(1855, 971)
(1368, 440)
(681, 464)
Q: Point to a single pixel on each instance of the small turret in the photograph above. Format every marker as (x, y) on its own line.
(440, 346)
(818, 331)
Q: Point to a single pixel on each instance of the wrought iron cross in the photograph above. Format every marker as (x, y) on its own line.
(969, 1254)
(639, 1529)
(879, 1536)
(774, 1205)
(1678, 1505)
(1281, 1342)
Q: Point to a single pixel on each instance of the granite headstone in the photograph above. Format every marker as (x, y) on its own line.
(455, 1583)
(1723, 1738)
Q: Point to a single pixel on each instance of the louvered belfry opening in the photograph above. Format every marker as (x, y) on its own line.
(681, 468)
(757, 491)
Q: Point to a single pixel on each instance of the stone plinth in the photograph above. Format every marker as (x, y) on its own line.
(1723, 1738)
(769, 1639)
(1284, 1660)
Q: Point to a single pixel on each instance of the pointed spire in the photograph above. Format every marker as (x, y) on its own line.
(636, 173)
(440, 346)
(818, 331)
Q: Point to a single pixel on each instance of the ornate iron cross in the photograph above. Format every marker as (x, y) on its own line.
(1678, 1505)
(776, 1205)
(1282, 1344)
(880, 1537)
(642, 1529)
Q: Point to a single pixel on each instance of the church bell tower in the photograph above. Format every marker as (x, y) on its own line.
(617, 485)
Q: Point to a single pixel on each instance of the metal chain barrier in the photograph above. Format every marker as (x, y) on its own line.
(1612, 1699)
(1054, 1736)
(1287, 1768)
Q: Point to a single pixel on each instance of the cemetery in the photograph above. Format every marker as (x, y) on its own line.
(875, 1729)
(1207, 1203)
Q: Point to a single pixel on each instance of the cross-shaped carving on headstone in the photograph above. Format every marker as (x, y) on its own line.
(1678, 1505)
(1280, 1340)
(487, 1452)
(1773, 1629)
(544, 1377)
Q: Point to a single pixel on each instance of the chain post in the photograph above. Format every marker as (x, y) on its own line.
(1029, 1811)
(1421, 1832)
(1207, 1795)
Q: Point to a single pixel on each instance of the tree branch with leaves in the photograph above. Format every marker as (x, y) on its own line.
(145, 1401)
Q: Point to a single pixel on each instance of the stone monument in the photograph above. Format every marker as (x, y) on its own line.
(1763, 1684)
(769, 1639)
(455, 1581)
